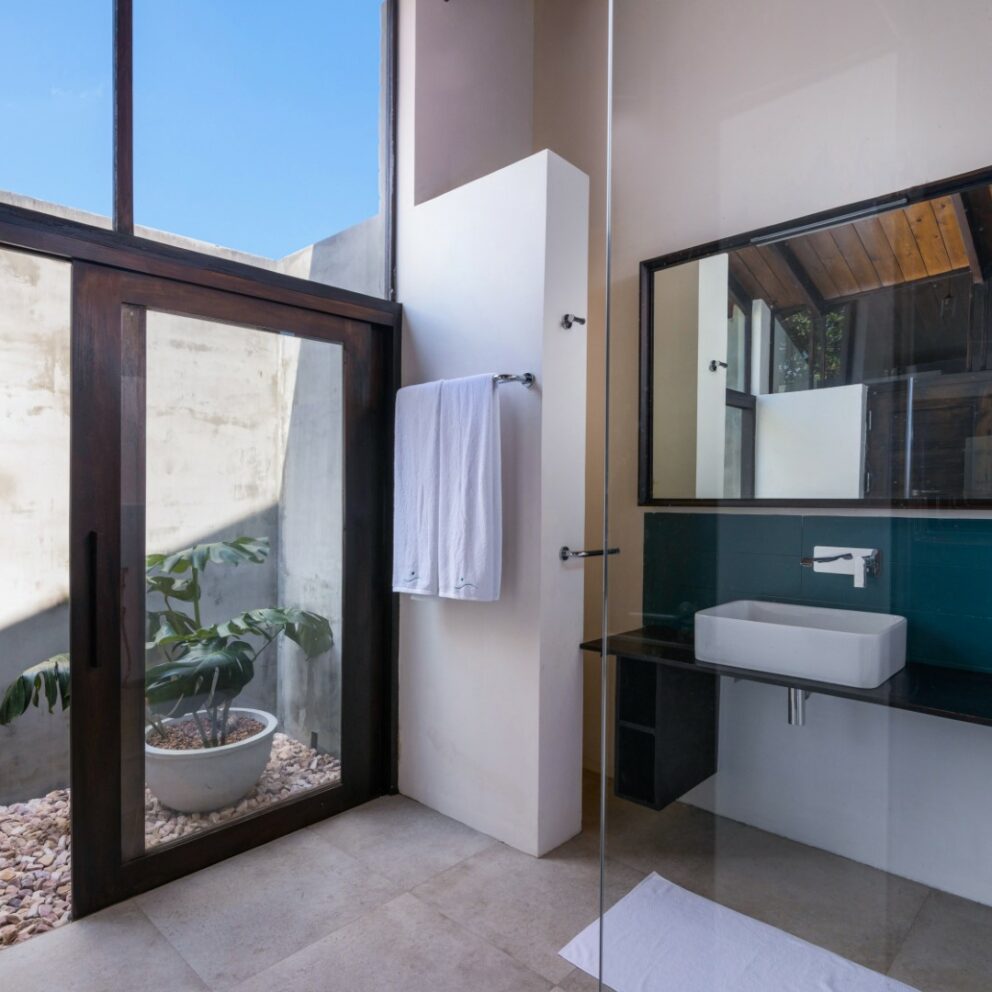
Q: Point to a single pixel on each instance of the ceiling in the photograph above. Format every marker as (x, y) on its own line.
(933, 238)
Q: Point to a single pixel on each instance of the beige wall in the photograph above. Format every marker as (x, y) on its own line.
(728, 117)
(676, 321)
(474, 105)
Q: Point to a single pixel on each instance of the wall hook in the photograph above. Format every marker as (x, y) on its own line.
(570, 319)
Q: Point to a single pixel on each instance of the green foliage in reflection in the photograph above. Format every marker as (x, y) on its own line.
(808, 338)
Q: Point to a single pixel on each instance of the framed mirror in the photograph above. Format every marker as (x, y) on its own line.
(842, 359)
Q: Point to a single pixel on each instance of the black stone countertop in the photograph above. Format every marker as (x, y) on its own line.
(953, 693)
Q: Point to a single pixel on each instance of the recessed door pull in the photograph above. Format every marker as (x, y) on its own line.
(565, 553)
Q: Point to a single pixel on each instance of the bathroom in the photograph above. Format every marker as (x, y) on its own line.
(743, 251)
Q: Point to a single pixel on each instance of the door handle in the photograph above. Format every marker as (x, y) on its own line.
(92, 578)
(566, 553)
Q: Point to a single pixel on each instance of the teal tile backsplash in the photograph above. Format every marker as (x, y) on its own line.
(935, 572)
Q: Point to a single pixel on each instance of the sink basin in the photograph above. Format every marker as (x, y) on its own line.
(846, 647)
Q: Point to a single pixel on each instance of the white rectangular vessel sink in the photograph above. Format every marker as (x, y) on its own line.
(846, 647)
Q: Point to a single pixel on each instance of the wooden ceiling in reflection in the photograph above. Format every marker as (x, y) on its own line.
(933, 238)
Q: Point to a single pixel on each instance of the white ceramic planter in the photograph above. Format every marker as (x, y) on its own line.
(205, 779)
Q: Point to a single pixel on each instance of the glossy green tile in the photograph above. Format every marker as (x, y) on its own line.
(758, 576)
(858, 532)
(942, 542)
(951, 641)
(937, 572)
(950, 589)
(752, 533)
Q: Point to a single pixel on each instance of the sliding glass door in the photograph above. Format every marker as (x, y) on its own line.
(229, 620)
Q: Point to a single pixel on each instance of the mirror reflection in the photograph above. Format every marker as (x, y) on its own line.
(850, 362)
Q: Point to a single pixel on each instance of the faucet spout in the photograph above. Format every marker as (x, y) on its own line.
(855, 562)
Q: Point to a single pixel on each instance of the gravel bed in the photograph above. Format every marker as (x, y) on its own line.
(34, 836)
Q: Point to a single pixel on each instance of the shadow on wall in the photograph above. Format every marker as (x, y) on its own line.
(34, 749)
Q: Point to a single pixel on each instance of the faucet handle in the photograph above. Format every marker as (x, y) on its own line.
(855, 562)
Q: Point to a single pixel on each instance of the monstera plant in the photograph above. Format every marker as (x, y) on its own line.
(202, 668)
(206, 667)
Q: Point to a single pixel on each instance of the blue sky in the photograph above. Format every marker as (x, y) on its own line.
(256, 121)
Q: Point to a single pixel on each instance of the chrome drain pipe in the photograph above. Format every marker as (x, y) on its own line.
(797, 707)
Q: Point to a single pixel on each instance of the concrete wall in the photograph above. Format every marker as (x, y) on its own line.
(243, 437)
(34, 507)
(311, 533)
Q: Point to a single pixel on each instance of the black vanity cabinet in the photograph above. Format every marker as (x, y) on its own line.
(667, 707)
(666, 731)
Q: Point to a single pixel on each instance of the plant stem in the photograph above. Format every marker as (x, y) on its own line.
(199, 726)
(223, 729)
(196, 597)
(268, 641)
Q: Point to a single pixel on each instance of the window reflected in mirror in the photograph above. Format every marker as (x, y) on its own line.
(851, 362)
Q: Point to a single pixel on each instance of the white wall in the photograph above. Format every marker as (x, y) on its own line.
(904, 792)
(810, 444)
(490, 693)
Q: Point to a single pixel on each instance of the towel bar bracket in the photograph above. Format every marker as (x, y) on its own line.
(526, 379)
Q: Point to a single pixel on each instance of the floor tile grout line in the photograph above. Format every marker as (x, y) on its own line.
(493, 841)
(134, 904)
(478, 936)
(399, 891)
(208, 987)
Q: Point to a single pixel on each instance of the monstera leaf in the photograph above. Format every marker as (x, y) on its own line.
(48, 680)
(210, 674)
(242, 550)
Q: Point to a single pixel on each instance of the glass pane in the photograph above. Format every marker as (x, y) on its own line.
(737, 322)
(733, 453)
(275, 156)
(34, 593)
(793, 337)
(57, 105)
(762, 795)
(244, 492)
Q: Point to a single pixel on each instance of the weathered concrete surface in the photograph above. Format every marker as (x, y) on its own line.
(229, 427)
(34, 505)
(311, 531)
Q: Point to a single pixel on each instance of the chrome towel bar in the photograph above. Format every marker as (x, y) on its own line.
(566, 552)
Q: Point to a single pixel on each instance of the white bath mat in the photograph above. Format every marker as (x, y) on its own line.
(661, 938)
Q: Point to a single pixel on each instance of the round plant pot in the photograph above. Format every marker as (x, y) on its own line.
(204, 779)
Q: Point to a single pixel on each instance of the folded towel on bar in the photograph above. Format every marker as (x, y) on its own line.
(470, 531)
(415, 486)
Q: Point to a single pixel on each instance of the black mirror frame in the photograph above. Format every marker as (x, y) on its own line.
(766, 235)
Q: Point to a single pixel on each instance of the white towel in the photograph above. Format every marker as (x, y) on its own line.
(415, 484)
(470, 534)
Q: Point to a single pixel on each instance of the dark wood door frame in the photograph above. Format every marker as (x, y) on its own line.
(107, 762)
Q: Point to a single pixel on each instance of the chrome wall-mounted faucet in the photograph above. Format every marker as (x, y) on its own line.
(856, 562)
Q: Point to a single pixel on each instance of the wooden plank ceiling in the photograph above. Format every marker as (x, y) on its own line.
(914, 242)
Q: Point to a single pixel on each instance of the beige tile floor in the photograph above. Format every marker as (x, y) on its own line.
(393, 896)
